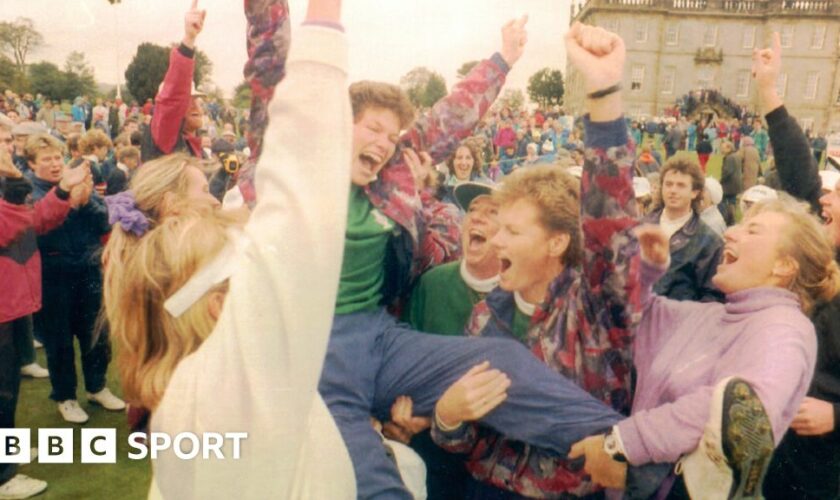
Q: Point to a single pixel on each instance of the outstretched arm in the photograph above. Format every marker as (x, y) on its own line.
(798, 171)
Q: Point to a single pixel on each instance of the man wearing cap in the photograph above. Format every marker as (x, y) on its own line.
(21, 133)
(444, 297)
(178, 113)
(442, 302)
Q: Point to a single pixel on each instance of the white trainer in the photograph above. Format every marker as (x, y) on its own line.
(37, 344)
(72, 412)
(21, 486)
(107, 400)
(34, 370)
(735, 451)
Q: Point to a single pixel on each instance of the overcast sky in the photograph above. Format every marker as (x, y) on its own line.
(387, 37)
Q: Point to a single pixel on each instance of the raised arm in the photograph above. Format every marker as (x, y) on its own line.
(608, 210)
(265, 356)
(798, 170)
(173, 100)
(454, 117)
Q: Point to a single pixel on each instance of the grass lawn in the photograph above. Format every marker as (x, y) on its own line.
(125, 480)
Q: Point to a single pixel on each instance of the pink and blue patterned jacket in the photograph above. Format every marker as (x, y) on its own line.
(582, 330)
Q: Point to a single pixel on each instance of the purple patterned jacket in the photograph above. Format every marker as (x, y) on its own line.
(582, 330)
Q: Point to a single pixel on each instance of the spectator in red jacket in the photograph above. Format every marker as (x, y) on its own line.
(178, 112)
(20, 265)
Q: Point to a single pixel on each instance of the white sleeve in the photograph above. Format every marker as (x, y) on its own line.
(259, 370)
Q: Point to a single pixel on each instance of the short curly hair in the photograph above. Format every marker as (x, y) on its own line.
(367, 94)
(557, 196)
(475, 152)
(39, 142)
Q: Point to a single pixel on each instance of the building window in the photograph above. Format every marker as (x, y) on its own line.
(781, 85)
(787, 36)
(641, 31)
(710, 36)
(637, 77)
(668, 77)
(807, 124)
(610, 25)
(748, 37)
(818, 37)
(812, 84)
(742, 86)
(672, 35)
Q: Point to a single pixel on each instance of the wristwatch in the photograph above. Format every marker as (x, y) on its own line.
(613, 448)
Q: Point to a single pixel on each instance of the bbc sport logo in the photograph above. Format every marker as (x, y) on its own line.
(99, 446)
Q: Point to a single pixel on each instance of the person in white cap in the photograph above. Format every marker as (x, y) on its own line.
(756, 194)
(178, 106)
(710, 213)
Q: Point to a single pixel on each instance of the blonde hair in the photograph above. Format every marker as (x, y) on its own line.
(150, 341)
(557, 196)
(39, 142)
(817, 276)
(94, 139)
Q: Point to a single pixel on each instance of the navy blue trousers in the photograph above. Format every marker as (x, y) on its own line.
(372, 359)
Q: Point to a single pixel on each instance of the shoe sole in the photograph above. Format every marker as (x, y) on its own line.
(747, 439)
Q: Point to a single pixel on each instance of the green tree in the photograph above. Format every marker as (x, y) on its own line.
(19, 39)
(423, 86)
(46, 78)
(465, 68)
(148, 67)
(242, 96)
(9, 78)
(545, 87)
(79, 75)
(203, 68)
(146, 70)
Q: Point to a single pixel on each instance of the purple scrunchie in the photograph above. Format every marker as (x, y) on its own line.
(122, 208)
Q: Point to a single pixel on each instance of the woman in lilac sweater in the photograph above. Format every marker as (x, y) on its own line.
(706, 369)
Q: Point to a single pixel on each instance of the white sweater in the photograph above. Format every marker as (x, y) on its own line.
(258, 372)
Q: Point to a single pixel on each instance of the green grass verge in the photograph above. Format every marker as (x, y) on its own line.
(125, 480)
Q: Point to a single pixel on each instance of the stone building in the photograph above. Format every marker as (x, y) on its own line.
(675, 47)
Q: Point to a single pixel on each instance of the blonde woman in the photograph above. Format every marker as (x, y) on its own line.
(223, 328)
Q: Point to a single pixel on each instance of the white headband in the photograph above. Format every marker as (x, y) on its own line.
(218, 270)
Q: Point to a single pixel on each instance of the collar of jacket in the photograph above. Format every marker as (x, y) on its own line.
(503, 305)
(683, 234)
(394, 193)
(41, 185)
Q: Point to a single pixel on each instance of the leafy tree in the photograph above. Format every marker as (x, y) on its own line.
(19, 39)
(545, 87)
(9, 78)
(242, 95)
(513, 99)
(203, 68)
(148, 67)
(46, 78)
(423, 86)
(465, 68)
(79, 75)
(146, 71)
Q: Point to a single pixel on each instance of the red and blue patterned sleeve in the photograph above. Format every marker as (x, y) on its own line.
(611, 262)
(268, 38)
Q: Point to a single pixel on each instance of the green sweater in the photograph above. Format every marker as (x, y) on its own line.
(363, 267)
(442, 302)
